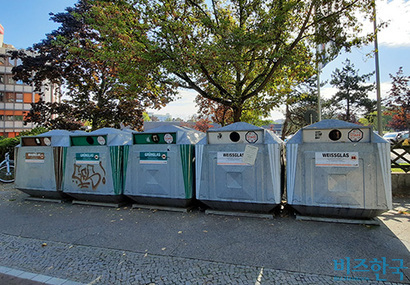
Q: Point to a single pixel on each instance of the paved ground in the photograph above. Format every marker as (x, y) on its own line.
(96, 245)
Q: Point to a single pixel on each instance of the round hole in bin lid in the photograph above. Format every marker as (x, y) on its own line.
(335, 135)
(234, 136)
(90, 140)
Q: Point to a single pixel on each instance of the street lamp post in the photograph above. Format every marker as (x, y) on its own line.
(376, 52)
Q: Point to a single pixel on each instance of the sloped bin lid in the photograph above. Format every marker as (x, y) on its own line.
(241, 132)
(168, 135)
(104, 136)
(51, 138)
(335, 131)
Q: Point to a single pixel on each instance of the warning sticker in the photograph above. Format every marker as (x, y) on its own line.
(153, 158)
(168, 138)
(337, 159)
(251, 137)
(355, 135)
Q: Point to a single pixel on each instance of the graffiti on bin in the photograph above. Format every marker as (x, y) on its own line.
(88, 175)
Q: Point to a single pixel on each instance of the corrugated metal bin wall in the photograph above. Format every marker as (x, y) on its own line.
(40, 163)
(238, 167)
(160, 166)
(335, 168)
(96, 165)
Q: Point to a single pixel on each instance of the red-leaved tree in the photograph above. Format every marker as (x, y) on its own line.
(399, 101)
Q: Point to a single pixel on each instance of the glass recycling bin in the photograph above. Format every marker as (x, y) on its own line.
(238, 168)
(95, 165)
(160, 167)
(40, 162)
(340, 169)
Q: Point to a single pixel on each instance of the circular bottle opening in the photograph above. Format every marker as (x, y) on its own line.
(335, 135)
(234, 136)
(90, 140)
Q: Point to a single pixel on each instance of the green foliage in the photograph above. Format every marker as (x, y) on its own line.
(299, 100)
(8, 144)
(352, 98)
(102, 88)
(34, 132)
(146, 117)
(237, 53)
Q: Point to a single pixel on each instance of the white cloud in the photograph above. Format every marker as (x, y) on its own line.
(183, 108)
(397, 14)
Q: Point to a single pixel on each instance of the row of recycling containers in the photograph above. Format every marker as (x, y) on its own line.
(333, 168)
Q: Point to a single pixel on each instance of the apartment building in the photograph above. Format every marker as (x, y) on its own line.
(15, 96)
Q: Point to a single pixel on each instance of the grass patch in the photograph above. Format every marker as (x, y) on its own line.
(399, 170)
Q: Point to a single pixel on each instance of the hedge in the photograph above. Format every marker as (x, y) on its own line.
(8, 144)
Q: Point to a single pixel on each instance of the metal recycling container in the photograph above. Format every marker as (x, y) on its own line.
(95, 168)
(340, 169)
(39, 164)
(160, 166)
(238, 167)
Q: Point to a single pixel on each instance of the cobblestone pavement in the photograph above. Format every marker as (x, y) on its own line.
(92, 265)
(51, 240)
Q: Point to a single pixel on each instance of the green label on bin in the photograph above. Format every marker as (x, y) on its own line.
(154, 157)
(87, 157)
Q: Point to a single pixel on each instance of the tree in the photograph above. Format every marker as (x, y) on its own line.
(399, 101)
(216, 112)
(233, 52)
(352, 96)
(97, 89)
(299, 100)
(52, 115)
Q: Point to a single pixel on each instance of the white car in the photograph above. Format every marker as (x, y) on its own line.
(391, 137)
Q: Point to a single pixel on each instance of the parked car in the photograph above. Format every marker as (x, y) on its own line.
(403, 136)
(392, 137)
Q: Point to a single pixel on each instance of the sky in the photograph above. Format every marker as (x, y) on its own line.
(26, 22)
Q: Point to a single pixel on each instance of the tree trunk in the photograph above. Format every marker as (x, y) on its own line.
(237, 113)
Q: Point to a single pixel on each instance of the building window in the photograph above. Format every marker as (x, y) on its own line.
(1, 118)
(11, 61)
(2, 79)
(10, 97)
(18, 117)
(19, 97)
(1, 96)
(2, 60)
(9, 118)
(10, 80)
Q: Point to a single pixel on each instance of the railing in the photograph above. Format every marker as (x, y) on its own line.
(400, 155)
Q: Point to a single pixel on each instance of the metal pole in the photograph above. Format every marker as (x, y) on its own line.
(376, 52)
(319, 103)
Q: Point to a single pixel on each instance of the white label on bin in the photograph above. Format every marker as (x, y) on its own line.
(337, 159)
(230, 158)
(250, 154)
